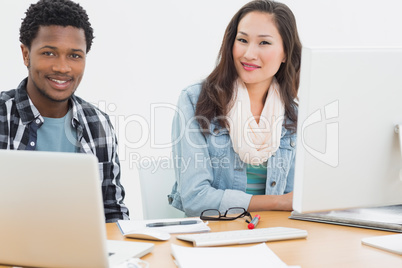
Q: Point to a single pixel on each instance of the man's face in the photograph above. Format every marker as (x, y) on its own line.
(56, 63)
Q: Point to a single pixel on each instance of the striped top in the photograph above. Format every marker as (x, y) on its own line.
(256, 179)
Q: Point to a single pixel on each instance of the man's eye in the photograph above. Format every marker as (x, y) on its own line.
(48, 53)
(76, 56)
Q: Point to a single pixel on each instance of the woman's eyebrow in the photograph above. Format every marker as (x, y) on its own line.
(261, 35)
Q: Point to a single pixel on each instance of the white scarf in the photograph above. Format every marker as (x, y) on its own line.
(255, 143)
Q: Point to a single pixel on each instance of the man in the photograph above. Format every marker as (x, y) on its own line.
(43, 113)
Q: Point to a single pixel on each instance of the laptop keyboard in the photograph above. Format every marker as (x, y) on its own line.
(243, 236)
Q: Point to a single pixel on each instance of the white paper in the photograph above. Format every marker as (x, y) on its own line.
(259, 256)
(129, 226)
(392, 243)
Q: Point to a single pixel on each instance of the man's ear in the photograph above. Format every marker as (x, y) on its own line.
(25, 54)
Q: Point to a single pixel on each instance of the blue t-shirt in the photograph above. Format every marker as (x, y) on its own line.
(256, 179)
(57, 135)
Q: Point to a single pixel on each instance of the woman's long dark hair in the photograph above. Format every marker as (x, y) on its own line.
(217, 89)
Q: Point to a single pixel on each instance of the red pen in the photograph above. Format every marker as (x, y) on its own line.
(254, 222)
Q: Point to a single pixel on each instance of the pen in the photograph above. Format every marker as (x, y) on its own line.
(161, 224)
(254, 222)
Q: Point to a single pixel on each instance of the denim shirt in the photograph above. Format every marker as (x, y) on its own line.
(209, 173)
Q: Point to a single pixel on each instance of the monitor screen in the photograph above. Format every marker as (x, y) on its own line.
(349, 153)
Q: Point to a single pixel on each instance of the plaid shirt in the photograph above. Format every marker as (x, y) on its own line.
(20, 120)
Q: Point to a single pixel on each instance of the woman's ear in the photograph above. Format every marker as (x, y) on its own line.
(25, 54)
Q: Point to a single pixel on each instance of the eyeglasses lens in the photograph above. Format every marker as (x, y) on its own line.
(211, 213)
(234, 213)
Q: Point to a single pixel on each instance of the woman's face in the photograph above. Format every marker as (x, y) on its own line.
(258, 50)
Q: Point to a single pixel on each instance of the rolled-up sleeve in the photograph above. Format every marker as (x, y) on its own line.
(234, 198)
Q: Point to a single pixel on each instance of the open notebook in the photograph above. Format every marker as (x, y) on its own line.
(52, 213)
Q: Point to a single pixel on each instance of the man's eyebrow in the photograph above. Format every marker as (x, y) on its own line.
(51, 47)
(261, 35)
(77, 50)
(55, 48)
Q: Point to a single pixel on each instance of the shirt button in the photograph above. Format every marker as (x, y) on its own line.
(292, 143)
(273, 184)
(32, 143)
(37, 121)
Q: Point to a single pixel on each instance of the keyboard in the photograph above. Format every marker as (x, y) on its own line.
(243, 236)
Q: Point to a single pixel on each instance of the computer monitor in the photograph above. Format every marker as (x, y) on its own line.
(348, 153)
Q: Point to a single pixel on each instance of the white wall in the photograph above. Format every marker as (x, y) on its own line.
(145, 52)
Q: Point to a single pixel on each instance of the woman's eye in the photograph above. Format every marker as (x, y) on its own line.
(265, 43)
(242, 40)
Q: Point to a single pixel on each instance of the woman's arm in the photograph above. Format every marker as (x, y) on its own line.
(271, 202)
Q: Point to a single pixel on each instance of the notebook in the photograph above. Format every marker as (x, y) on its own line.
(52, 213)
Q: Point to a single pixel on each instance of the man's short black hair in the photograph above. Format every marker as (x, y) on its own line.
(54, 12)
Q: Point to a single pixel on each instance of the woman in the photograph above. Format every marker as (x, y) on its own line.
(234, 134)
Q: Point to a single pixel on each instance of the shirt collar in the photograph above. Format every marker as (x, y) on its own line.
(25, 107)
(76, 115)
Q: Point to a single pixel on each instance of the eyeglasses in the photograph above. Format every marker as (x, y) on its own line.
(229, 215)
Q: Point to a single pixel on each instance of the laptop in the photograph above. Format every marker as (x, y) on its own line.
(52, 213)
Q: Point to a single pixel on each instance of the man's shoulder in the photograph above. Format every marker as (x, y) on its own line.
(7, 100)
(6, 96)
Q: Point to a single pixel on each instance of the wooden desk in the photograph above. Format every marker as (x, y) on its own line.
(326, 245)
